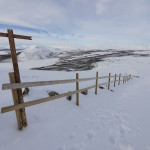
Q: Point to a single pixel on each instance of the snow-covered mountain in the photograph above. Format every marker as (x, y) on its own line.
(69, 59)
(33, 53)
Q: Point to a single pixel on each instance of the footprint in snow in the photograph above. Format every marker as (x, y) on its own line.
(91, 135)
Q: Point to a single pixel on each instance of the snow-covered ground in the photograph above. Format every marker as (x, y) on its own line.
(117, 120)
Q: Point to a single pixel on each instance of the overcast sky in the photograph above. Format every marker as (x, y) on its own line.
(78, 22)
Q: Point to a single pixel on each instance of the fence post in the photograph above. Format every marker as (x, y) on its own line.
(115, 80)
(125, 78)
(77, 88)
(16, 101)
(119, 79)
(96, 83)
(109, 81)
(16, 73)
(128, 77)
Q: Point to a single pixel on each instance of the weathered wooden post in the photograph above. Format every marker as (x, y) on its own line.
(115, 80)
(123, 79)
(96, 83)
(119, 79)
(77, 88)
(16, 73)
(129, 76)
(16, 101)
(109, 81)
(21, 115)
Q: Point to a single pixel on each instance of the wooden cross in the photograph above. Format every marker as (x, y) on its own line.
(15, 77)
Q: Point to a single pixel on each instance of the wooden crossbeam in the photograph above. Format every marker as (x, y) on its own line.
(20, 114)
(43, 100)
(35, 102)
(8, 86)
(16, 36)
(41, 83)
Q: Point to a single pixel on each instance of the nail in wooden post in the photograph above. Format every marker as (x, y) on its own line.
(16, 73)
(115, 80)
(119, 79)
(15, 99)
(77, 88)
(109, 81)
(96, 83)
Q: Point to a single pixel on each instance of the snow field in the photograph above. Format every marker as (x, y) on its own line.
(116, 120)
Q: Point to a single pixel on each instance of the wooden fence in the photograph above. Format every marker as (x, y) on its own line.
(16, 86)
(117, 79)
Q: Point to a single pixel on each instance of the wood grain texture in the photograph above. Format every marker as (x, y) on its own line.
(16, 101)
(16, 73)
(3, 34)
(96, 84)
(8, 86)
(109, 81)
(42, 83)
(125, 78)
(16, 36)
(35, 102)
(77, 88)
(119, 79)
(115, 80)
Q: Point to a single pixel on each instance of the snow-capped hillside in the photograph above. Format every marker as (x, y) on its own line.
(41, 52)
(34, 53)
